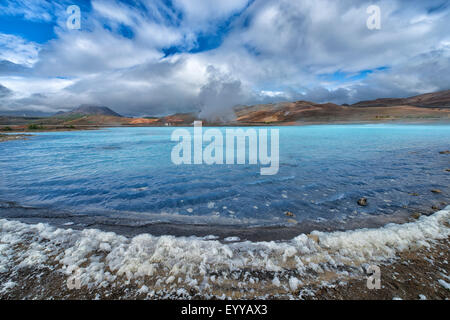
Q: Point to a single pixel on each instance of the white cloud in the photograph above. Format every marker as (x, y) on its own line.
(272, 50)
(17, 50)
(30, 9)
(201, 13)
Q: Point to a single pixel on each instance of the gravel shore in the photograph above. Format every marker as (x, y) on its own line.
(43, 262)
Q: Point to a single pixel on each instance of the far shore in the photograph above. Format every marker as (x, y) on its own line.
(10, 132)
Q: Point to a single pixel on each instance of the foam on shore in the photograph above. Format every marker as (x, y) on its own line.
(175, 265)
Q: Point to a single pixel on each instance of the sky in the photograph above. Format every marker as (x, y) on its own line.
(158, 57)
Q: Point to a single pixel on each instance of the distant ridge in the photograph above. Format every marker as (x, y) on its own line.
(422, 108)
(427, 106)
(435, 99)
(87, 110)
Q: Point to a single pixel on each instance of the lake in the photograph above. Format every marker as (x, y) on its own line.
(126, 176)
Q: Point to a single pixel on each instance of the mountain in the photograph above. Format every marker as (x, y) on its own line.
(435, 99)
(425, 107)
(285, 112)
(86, 110)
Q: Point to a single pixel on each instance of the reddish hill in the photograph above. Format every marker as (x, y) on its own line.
(426, 107)
(430, 106)
(435, 99)
(285, 112)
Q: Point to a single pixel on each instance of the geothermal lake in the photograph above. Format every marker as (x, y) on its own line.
(126, 176)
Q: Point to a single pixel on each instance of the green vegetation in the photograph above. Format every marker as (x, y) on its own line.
(35, 127)
(6, 129)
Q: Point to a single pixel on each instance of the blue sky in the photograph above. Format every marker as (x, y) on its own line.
(153, 57)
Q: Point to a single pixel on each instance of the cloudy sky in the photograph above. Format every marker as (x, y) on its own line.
(156, 57)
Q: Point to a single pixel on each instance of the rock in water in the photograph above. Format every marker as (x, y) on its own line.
(416, 215)
(445, 152)
(362, 202)
(436, 191)
(289, 214)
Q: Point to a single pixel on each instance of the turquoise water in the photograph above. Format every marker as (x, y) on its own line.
(127, 172)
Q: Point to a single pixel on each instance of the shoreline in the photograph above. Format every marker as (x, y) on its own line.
(131, 227)
(37, 260)
(59, 128)
(421, 274)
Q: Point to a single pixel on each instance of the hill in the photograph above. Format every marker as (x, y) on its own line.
(435, 99)
(86, 110)
(427, 107)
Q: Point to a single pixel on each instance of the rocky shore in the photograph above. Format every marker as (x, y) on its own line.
(42, 262)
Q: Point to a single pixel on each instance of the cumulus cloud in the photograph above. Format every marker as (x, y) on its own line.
(18, 50)
(154, 57)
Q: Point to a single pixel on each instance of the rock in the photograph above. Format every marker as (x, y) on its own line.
(436, 191)
(289, 214)
(416, 215)
(435, 207)
(414, 194)
(445, 152)
(362, 202)
(292, 221)
(448, 170)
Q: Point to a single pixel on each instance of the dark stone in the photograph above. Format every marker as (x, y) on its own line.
(289, 214)
(416, 215)
(362, 202)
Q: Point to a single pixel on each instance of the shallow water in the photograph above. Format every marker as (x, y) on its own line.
(127, 173)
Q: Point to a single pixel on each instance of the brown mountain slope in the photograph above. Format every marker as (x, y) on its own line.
(285, 112)
(435, 99)
(329, 113)
(430, 106)
(438, 99)
(426, 107)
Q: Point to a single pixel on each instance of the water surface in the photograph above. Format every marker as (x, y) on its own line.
(127, 173)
